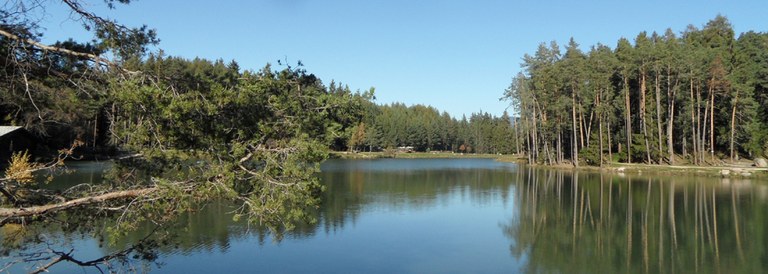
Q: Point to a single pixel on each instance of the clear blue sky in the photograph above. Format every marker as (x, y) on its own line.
(455, 55)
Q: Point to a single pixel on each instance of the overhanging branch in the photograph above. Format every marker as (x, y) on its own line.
(92, 57)
(39, 210)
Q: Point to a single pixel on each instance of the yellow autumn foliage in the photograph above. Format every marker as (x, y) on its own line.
(20, 168)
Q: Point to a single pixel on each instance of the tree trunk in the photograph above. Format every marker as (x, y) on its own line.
(628, 121)
(589, 123)
(529, 142)
(642, 116)
(574, 144)
(671, 92)
(582, 125)
(600, 128)
(534, 137)
(549, 154)
(670, 124)
(610, 144)
(704, 132)
(699, 132)
(733, 124)
(712, 125)
(694, 142)
(658, 118)
(517, 136)
(685, 148)
(559, 143)
(95, 129)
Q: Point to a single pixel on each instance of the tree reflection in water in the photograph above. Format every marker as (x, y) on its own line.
(603, 223)
(561, 222)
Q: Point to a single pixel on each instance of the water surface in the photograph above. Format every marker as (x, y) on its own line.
(476, 216)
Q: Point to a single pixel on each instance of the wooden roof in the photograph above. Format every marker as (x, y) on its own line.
(8, 129)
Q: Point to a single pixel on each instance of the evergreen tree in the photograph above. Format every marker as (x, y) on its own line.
(706, 86)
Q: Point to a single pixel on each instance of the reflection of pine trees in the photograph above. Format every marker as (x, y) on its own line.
(605, 224)
(564, 222)
(209, 229)
(348, 194)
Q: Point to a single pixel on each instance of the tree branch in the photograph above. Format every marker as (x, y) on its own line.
(92, 57)
(62, 256)
(38, 210)
(29, 94)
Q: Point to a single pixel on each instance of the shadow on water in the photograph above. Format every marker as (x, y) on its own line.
(602, 223)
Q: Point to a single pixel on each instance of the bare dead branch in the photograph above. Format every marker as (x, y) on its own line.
(93, 57)
(38, 210)
(67, 256)
(29, 94)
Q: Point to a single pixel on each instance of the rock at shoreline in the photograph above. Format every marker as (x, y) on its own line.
(761, 162)
(725, 172)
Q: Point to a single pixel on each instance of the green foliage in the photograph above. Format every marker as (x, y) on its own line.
(426, 129)
(190, 131)
(193, 130)
(258, 141)
(590, 155)
(663, 92)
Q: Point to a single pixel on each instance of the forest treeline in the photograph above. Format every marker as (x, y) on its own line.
(425, 128)
(174, 96)
(699, 97)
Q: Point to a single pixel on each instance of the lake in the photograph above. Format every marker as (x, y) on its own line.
(466, 216)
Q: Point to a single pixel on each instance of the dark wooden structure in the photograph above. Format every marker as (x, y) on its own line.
(15, 139)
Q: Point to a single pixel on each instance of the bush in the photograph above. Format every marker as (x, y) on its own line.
(590, 155)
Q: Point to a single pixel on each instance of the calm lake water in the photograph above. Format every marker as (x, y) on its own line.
(473, 216)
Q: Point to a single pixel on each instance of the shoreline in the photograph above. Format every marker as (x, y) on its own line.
(410, 155)
(654, 169)
(725, 171)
